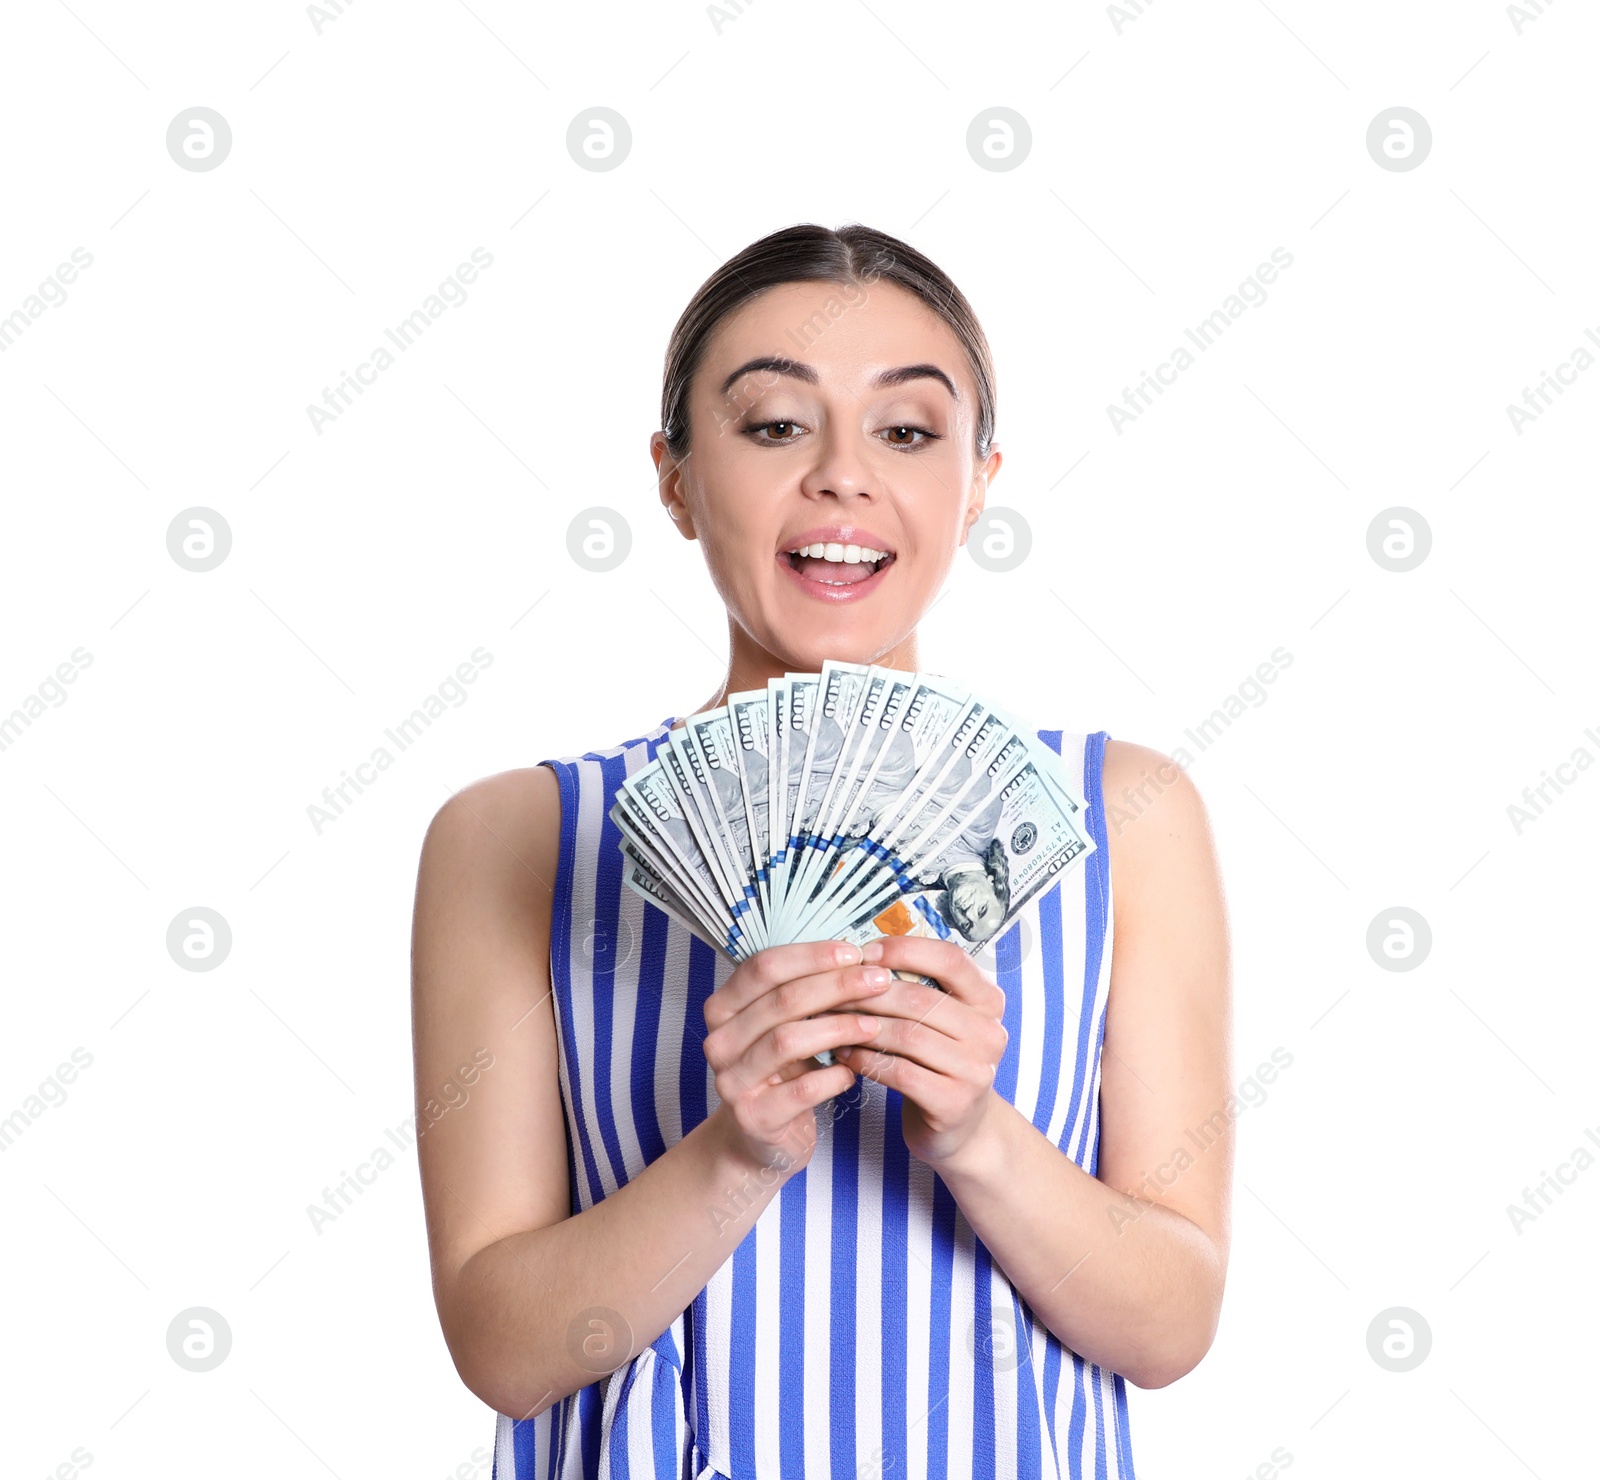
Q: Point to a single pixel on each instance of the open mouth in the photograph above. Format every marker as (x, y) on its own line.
(836, 564)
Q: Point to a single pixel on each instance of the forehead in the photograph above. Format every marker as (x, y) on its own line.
(847, 331)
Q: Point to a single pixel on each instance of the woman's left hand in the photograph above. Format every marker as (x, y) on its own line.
(940, 1050)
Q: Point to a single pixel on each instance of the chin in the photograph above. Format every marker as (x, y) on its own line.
(806, 654)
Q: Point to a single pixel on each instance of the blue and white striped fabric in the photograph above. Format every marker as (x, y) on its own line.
(860, 1329)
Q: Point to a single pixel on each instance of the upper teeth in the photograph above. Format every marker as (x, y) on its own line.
(849, 554)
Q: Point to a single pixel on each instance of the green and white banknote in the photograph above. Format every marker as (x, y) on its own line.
(845, 805)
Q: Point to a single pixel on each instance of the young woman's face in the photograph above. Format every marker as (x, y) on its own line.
(830, 415)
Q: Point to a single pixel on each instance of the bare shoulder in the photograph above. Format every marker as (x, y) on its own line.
(1156, 822)
(506, 821)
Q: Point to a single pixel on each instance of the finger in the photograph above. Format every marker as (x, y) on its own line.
(972, 1054)
(943, 960)
(920, 1085)
(791, 1001)
(770, 968)
(796, 1041)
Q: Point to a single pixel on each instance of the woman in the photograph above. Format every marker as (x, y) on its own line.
(664, 1242)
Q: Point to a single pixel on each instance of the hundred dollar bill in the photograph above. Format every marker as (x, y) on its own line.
(975, 876)
(859, 725)
(658, 839)
(938, 784)
(930, 722)
(801, 710)
(838, 694)
(707, 743)
(750, 721)
(645, 881)
(660, 793)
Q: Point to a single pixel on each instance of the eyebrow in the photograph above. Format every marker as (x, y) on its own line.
(799, 370)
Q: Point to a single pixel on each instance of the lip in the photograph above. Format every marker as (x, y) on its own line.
(837, 534)
(823, 592)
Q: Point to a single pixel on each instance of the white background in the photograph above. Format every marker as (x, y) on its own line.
(1170, 154)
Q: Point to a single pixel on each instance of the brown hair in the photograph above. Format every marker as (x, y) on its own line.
(812, 253)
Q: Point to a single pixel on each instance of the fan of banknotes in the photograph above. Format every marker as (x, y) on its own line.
(844, 805)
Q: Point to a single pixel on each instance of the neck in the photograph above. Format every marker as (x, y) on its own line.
(751, 664)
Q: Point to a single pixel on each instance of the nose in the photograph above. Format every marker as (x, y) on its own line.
(841, 467)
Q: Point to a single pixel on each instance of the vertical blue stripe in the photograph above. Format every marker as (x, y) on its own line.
(1099, 1428)
(792, 1327)
(1080, 1413)
(983, 1365)
(1052, 1394)
(743, 1405)
(1055, 1007)
(1030, 1443)
(944, 1250)
(1008, 976)
(846, 1136)
(1119, 1398)
(895, 1279)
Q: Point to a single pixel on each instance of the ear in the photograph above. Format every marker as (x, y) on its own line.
(979, 492)
(669, 481)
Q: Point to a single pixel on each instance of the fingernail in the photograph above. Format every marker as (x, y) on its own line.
(847, 954)
(868, 1023)
(877, 976)
(872, 951)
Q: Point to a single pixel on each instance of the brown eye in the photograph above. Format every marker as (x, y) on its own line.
(760, 433)
(911, 432)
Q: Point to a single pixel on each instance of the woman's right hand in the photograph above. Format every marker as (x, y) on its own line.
(769, 1017)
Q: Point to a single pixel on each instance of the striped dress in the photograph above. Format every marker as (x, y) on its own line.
(860, 1331)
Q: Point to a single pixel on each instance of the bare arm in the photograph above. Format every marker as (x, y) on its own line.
(535, 1302)
(1127, 1267)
